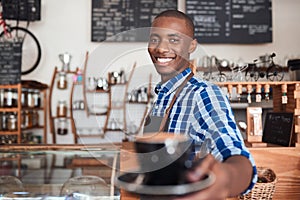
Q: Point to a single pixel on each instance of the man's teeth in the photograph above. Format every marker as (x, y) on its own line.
(163, 60)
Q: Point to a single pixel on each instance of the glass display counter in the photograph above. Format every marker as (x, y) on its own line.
(59, 172)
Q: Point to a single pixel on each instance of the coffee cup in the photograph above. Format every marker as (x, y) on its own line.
(163, 157)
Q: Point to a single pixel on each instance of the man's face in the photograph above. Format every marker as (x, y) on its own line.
(170, 45)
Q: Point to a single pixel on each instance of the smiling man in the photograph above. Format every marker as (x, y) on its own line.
(199, 110)
(170, 45)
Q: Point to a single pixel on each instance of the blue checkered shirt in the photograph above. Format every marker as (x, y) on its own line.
(202, 111)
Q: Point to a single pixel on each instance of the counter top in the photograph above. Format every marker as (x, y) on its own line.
(43, 169)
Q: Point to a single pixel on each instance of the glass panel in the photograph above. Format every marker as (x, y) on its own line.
(59, 173)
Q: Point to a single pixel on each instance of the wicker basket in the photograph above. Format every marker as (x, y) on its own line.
(265, 186)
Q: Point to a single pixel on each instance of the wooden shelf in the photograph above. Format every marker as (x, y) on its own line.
(52, 88)
(271, 83)
(98, 114)
(35, 127)
(106, 113)
(9, 109)
(98, 91)
(26, 108)
(90, 135)
(280, 90)
(118, 84)
(9, 132)
(113, 130)
(57, 117)
(42, 88)
(135, 102)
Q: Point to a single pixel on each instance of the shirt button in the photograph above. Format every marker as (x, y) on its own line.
(156, 107)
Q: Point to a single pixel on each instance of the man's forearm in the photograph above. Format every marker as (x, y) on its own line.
(240, 172)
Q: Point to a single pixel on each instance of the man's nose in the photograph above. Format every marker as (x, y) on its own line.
(162, 47)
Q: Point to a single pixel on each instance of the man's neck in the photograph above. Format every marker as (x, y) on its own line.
(166, 77)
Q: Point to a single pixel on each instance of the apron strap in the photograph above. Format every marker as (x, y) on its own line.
(167, 113)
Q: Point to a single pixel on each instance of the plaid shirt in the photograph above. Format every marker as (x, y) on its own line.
(202, 111)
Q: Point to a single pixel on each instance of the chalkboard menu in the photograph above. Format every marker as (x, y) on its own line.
(231, 21)
(10, 62)
(26, 10)
(278, 128)
(110, 18)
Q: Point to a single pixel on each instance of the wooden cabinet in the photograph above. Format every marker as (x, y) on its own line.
(23, 109)
(107, 105)
(297, 114)
(11, 95)
(283, 97)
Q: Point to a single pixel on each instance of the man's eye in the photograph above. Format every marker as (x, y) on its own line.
(174, 41)
(154, 40)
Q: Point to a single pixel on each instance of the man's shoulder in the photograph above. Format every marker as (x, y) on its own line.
(200, 84)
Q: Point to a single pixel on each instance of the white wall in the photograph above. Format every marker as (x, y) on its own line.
(66, 27)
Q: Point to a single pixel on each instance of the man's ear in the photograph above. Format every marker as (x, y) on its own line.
(193, 46)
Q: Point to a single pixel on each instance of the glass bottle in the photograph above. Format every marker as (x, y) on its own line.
(35, 118)
(24, 97)
(10, 98)
(23, 120)
(92, 83)
(12, 122)
(62, 126)
(3, 121)
(37, 99)
(2, 98)
(61, 110)
(30, 119)
(30, 100)
(62, 81)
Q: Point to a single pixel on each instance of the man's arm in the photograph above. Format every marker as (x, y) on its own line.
(233, 177)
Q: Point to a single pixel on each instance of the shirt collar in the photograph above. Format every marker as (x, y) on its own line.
(173, 83)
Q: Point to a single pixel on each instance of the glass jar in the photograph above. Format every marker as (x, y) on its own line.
(24, 96)
(10, 98)
(92, 83)
(30, 100)
(26, 117)
(2, 98)
(62, 126)
(12, 122)
(35, 118)
(29, 119)
(62, 81)
(3, 121)
(61, 110)
(37, 99)
(23, 120)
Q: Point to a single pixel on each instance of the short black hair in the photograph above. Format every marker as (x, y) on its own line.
(180, 15)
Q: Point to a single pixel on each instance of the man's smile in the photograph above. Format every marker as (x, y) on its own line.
(164, 60)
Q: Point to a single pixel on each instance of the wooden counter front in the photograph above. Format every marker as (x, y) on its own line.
(284, 161)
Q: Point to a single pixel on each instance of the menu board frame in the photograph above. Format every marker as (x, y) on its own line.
(231, 21)
(125, 20)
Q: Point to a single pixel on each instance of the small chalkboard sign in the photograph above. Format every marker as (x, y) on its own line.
(278, 128)
(10, 62)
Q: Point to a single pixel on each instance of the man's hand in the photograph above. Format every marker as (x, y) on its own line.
(233, 176)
